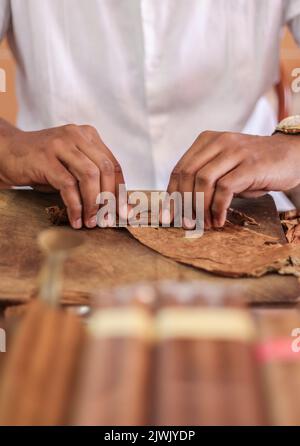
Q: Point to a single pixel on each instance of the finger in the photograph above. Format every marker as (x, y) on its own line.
(61, 179)
(98, 152)
(94, 138)
(107, 180)
(235, 182)
(88, 176)
(189, 162)
(207, 177)
(203, 150)
(200, 152)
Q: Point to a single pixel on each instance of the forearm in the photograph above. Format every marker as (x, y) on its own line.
(7, 132)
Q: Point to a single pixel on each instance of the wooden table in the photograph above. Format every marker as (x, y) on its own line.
(112, 257)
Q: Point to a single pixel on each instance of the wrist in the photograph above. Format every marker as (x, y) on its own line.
(7, 133)
(7, 130)
(288, 152)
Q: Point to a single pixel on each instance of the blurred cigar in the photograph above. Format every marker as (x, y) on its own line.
(189, 383)
(45, 345)
(117, 359)
(38, 373)
(200, 343)
(209, 388)
(59, 388)
(113, 380)
(114, 384)
(17, 364)
(243, 386)
(280, 365)
(171, 380)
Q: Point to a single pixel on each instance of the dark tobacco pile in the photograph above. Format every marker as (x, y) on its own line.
(290, 221)
(239, 218)
(58, 216)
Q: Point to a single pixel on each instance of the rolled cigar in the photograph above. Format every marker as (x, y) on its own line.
(237, 377)
(242, 385)
(44, 344)
(173, 377)
(209, 392)
(57, 394)
(131, 383)
(280, 365)
(199, 337)
(17, 363)
(171, 385)
(115, 369)
(40, 369)
(39, 372)
(92, 404)
(191, 384)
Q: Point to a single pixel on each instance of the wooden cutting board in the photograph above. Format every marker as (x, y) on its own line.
(112, 257)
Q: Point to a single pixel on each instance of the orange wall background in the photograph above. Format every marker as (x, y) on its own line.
(290, 56)
(8, 101)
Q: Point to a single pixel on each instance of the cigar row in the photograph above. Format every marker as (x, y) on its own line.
(278, 354)
(36, 380)
(167, 354)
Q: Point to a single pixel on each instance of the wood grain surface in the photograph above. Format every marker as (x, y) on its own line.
(112, 257)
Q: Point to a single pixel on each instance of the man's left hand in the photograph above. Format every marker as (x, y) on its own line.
(224, 164)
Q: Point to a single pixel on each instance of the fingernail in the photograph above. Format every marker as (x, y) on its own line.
(77, 224)
(165, 217)
(217, 224)
(92, 222)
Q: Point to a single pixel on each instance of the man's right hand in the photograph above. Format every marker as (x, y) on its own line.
(72, 159)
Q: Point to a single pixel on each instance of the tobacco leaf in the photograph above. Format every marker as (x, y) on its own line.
(239, 218)
(289, 215)
(233, 251)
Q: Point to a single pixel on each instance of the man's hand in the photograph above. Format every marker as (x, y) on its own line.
(223, 165)
(72, 159)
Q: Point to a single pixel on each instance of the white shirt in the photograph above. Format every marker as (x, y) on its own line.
(150, 75)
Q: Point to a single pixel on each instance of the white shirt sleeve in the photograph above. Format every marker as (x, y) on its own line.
(4, 17)
(292, 17)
